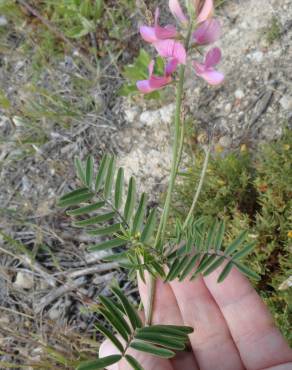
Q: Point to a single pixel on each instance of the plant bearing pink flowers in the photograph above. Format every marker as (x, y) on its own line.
(165, 41)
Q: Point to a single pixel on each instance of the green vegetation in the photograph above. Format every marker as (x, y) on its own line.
(273, 31)
(252, 193)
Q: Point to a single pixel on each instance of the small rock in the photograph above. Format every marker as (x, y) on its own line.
(131, 114)
(239, 94)
(24, 280)
(3, 21)
(286, 102)
(225, 141)
(150, 118)
(228, 108)
(257, 56)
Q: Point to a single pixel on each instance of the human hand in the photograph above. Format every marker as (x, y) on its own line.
(233, 329)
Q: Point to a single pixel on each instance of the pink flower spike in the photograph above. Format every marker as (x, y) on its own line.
(171, 49)
(154, 82)
(208, 32)
(206, 70)
(176, 10)
(206, 10)
(162, 33)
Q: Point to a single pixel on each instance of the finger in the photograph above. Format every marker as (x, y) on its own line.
(259, 342)
(211, 341)
(147, 361)
(166, 311)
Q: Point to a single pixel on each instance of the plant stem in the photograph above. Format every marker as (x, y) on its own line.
(176, 154)
(199, 188)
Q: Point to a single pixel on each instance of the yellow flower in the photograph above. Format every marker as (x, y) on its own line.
(289, 234)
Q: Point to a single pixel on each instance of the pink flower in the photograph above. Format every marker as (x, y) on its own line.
(204, 10)
(162, 40)
(157, 33)
(206, 70)
(157, 82)
(208, 32)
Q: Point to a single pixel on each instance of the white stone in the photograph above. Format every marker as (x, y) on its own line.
(256, 56)
(131, 114)
(286, 102)
(239, 94)
(24, 280)
(150, 117)
(3, 21)
(228, 108)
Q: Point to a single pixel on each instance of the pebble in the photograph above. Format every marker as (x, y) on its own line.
(256, 56)
(239, 94)
(228, 108)
(286, 102)
(24, 280)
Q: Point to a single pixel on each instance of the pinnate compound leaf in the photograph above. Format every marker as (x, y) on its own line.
(101, 172)
(80, 170)
(110, 336)
(108, 245)
(150, 348)
(99, 363)
(149, 228)
(119, 188)
(128, 308)
(89, 171)
(133, 362)
(131, 200)
(109, 177)
(236, 243)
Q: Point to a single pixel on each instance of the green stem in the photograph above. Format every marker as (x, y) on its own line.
(199, 188)
(176, 154)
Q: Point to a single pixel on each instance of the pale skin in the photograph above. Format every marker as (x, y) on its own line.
(233, 329)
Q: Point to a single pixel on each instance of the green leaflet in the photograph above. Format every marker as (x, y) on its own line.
(242, 253)
(218, 262)
(131, 200)
(108, 245)
(149, 228)
(99, 363)
(101, 172)
(119, 188)
(139, 216)
(109, 178)
(114, 310)
(154, 350)
(236, 243)
(188, 268)
(114, 322)
(94, 220)
(175, 343)
(225, 272)
(129, 309)
(80, 170)
(74, 193)
(168, 329)
(219, 237)
(246, 271)
(75, 199)
(86, 209)
(89, 171)
(133, 362)
(105, 230)
(110, 336)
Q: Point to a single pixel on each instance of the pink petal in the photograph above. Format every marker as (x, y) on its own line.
(171, 66)
(157, 82)
(144, 86)
(167, 32)
(213, 57)
(208, 32)
(199, 67)
(176, 11)
(206, 10)
(213, 77)
(171, 49)
(148, 34)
